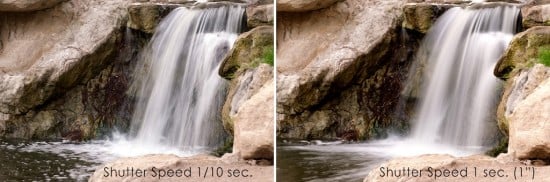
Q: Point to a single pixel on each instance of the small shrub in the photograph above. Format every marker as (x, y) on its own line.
(226, 148)
(268, 55)
(544, 56)
(502, 147)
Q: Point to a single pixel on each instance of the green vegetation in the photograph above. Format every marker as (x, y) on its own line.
(502, 147)
(226, 148)
(544, 56)
(268, 55)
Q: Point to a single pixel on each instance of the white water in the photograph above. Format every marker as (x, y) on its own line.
(181, 93)
(459, 94)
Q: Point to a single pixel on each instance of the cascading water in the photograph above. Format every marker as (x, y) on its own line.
(181, 94)
(459, 93)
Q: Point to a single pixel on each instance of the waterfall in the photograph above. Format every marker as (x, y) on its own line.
(180, 92)
(459, 93)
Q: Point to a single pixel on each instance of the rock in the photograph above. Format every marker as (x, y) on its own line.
(27, 5)
(48, 59)
(517, 67)
(146, 16)
(303, 5)
(516, 89)
(538, 15)
(523, 51)
(529, 130)
(464, 164)
(242, 89)
(247, 52)
(337, 75)
(421, 16)
(259, 15)
(245, 66)
(254, 125)
(172, 162)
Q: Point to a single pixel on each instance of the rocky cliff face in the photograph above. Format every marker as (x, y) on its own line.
(62, 69)
(341, 69)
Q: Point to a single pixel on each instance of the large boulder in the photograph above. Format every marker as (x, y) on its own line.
(303, 5)
(254, 125)
(459, 169)
(247, 111)
(337, 75)
(193, 168)
(517, 66)
(48, 59)
(27, 5)
(245, 65)
(529, 130)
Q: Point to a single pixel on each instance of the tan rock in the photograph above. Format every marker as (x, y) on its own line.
(516, 90)
(47, 53)
(259, 15)
(246, 67)
(472, 168)
(529, 129)
(538, 15)
(254, 125)
(27, 5)
(242, 89)
(324, 59)
(146, 16)
(181, 167)
(421, 16)
(519, 66)
(303, 5)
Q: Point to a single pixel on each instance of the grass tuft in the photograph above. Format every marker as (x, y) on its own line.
(268, 55)
(544, 56)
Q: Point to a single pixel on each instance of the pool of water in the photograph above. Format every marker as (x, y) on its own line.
(340, 161)
(333, 161)
(70, 161)
(19, 161)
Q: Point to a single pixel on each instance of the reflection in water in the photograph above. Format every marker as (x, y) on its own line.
(326, 162)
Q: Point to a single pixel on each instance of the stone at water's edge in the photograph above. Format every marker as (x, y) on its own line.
(225, 168)
(27, 5)
(248, 110)
(48, 59)
(244, 66)
(529, 130)
(254, 125)
(421, 16)
(338, 74)
(536, 14)
(259, 15)
(518, 65)
(442, 162)
(146, 16)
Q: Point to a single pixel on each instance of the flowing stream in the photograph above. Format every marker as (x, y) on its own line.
(179, 95)
(458, 98)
